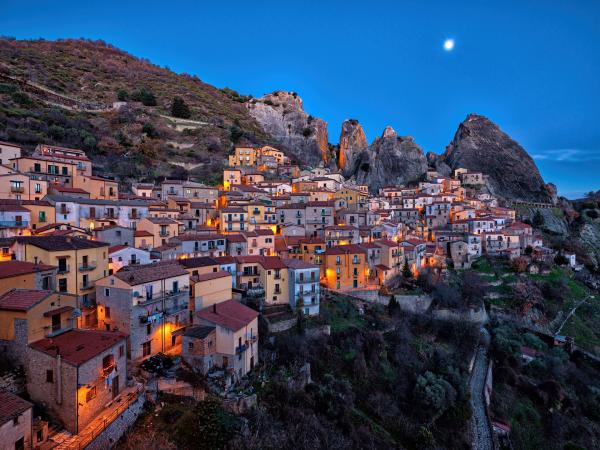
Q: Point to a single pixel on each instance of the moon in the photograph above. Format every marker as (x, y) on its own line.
(449, 45)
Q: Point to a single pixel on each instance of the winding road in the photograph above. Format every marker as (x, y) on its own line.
(482, 434)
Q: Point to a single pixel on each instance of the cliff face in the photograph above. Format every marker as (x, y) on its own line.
(352, 143)
(481, 146)
(391, 159)
(281, 115)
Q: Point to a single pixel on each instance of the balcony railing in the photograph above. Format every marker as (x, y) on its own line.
(63, 269)
(86, 267)
(176, 309)
(17, 189)
(14, 223)
(255, 292)
(54, 330)
(134, 216)
(163, 233)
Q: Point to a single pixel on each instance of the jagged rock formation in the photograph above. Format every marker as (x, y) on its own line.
(436, 162)
(352, 143)
(282, 116)
(481, 146)
(391, 159)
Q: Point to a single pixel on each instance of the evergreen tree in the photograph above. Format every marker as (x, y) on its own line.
(180, 109)
(538, 219)
(122, 95)
(406, 272)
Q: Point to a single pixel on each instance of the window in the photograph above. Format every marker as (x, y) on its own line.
(49, 376)
(106, 292)
(147, 348)
(149, 328)
(90, 394)
(62, 285)
(107, 312)
(121, 351)
(190, 345)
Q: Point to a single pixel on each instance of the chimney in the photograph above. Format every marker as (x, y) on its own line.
(215, 308)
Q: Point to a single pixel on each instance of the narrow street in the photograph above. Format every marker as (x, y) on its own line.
(482, 434)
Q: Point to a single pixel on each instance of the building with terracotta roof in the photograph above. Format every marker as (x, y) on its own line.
(26, 275)
(209, 288)
(148, 302)
(161, 228)
(28, 315)
(345, 267)
(77, 373)
(16, 420)
(236, 335)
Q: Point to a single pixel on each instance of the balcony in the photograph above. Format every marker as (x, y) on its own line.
(163, 233)
(63, 269)
(86, 267)
(17, 189)
(133, 262)
(14, 223)
(255, 292)
(134, 216)
(55, 330)
(64, 210)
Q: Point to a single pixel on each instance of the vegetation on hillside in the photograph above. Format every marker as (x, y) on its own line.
(93, 74)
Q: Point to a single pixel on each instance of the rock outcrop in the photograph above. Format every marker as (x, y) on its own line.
(437, 162)
(481, 146)
(352, 143)
(281, 115)
(391, 159)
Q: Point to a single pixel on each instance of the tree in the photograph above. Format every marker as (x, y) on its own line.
(519, 264)
(538, 219)
(145, 96)
(180, 109)
(473, 288)
(122, 95)
(528, 250)
(406, 272)
(393, 306)
(434, 394)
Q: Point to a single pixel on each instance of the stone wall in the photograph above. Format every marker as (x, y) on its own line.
(109, 437)
(281, 325)
(472, 315)
(416, 304)
(13, 382)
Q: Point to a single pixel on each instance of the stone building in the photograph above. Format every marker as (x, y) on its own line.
(15, 422)
(76, 374)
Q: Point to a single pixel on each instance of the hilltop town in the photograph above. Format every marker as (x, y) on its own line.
(113, 296)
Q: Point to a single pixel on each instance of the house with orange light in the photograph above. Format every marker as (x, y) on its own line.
(75, 374)
(149, 303)
(231, 176)
(341, 235)
(233, 219)
(161, 228)
(344, 267)
(98, 187)
(275, 280)
(260, 242)
(208, 289)
(14, 220)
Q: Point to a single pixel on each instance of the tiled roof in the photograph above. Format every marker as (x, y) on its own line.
(299, 264)
(60, 243)
(15, 268)
(8, 207)
(199, 331)
(11, 406)
(230, 314)
(212, 276)
(22, 299)
(345, 249)
(134, 275)
(200, 261)
(79, 346)
(143, 233)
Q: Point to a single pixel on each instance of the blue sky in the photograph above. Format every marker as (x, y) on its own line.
(532, 67)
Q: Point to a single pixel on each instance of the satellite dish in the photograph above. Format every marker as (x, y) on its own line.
(76, 313)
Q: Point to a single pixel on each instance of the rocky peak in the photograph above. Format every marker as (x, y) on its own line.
(281, 115)
(390, 159)
(479, 145)
(352, 142)
(389, 132)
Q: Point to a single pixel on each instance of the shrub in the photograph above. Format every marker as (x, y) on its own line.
(538, 219)
(519, 264)
(180, 109)
(592, 213)
(122, 95)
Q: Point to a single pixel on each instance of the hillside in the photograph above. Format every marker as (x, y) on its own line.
(62, 92)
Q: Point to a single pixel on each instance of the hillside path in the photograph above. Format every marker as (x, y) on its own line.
(481, 431)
